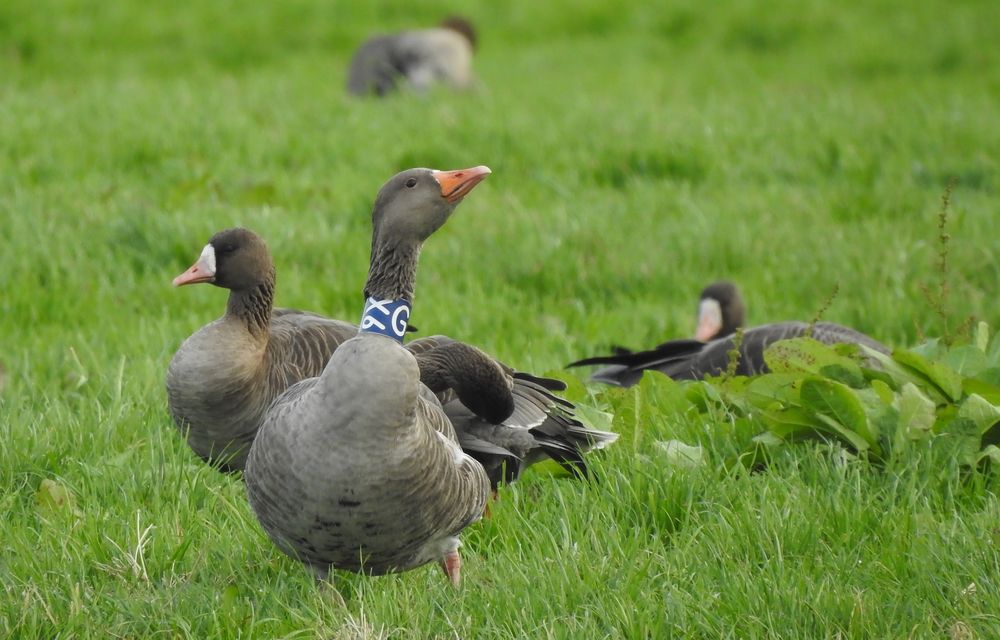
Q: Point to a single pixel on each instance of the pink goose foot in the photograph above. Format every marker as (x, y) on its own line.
(452, 565)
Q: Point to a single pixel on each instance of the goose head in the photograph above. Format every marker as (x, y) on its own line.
(415, 203)
(720, 311)
(462, 26)
(235, 259)
(411, 206)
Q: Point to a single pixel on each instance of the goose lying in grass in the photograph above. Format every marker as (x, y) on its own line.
(360, 468)
(720, 312)
(223, 377)
(419, 58)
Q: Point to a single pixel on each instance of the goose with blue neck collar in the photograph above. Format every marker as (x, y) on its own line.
(385, 317)
(360, 469)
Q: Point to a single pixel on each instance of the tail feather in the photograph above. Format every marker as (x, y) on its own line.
(661, 354)
(551, 384)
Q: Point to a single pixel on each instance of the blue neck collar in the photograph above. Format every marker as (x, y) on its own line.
(386, 317)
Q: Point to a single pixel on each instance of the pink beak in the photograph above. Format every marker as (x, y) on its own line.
(708, 328)
(199, 272)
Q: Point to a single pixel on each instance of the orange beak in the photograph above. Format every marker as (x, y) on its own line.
(455, 185)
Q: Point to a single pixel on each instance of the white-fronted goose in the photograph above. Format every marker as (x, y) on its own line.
(360, 468)
(720, 312)
(420, 58)
(223, 377)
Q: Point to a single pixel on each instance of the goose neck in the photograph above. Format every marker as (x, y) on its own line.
(253, 307)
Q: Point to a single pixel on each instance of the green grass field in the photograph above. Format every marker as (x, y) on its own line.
(638, 153)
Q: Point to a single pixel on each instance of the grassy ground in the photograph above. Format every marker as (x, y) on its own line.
(637, 154)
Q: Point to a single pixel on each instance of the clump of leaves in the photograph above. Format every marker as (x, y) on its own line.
(880, 407)
(877, 405)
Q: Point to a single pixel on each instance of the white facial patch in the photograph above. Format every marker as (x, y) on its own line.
(709, 319)
(710, 311)
(207, 259)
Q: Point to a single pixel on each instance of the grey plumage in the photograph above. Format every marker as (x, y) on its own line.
(529, 423)
(417, 59)
(224, 376)
(360, 468)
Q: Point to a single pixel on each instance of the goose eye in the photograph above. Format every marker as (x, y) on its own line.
(412, 182)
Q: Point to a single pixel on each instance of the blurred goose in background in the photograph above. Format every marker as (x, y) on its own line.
(222, 378)
(418, 58)
(360, 468)
(721, 312)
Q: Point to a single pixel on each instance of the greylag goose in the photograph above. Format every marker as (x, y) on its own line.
(420, 58)
(720, 312)
(360, 468)
(224, 376)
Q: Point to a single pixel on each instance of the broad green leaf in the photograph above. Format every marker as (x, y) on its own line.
(993, 352)
(967, 360)
(768, 439)
(990, 375)
(943, 376)
(668, 396)
(882, 376)
(839, 404)
(774, 390)
(901, 374)
(628, 415)
(981, 339)
(807, 355)
(884, 391)
(915, 418)
(980, 411)
(990, 391)
(990, 454)
(853, 438)
(945, 414)
(575, 390)
(883, 417)
(679, 454)
(594, 418)
(851, 376)
(931, 349)
(916, 412)
(790, 421)
(964, 435)
(53, 498)
(703, 395)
